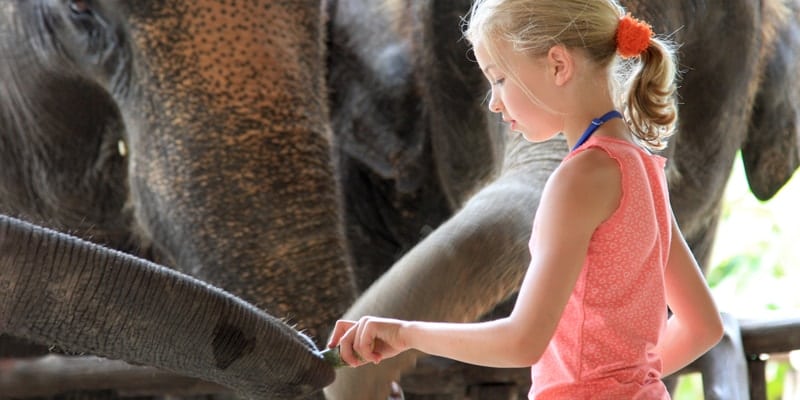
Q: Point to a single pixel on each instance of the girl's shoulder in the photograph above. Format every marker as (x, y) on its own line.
(589, 164)
(591, 180)
(620, 150)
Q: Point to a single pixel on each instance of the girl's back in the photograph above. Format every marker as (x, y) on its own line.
(604, 344)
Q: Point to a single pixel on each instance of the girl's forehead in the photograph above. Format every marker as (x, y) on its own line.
(481, 55)
(487, 56)
(500, 56)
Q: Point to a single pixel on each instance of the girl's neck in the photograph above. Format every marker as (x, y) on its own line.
(589, 96)
(574, 128)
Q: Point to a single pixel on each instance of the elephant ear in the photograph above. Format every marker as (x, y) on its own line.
(770, 153)
(374, 103)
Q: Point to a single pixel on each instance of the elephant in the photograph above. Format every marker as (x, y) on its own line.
(298, 169)
(157, 80)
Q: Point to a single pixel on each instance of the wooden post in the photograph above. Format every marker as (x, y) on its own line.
(756, 367)
(500, 391)
(763, 337)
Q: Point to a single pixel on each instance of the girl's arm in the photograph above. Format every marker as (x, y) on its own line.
(580, 194)
(372, 339)
(695, 325)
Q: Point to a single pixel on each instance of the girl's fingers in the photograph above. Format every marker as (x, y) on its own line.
(358, 344)
(359, 341)
(341, 327)
(346, 348)
(368, 337)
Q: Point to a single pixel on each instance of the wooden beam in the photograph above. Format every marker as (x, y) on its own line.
(766, 336)
(54, 374)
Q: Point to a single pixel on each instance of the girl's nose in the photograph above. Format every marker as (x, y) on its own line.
(494, 104)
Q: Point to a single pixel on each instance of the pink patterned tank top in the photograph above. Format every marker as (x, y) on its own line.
(603, 347)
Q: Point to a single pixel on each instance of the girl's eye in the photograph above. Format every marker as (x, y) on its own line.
(498, 82)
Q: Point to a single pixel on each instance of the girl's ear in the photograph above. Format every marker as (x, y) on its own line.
(561, 64)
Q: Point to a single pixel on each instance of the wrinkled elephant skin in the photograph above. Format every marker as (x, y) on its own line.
(224, 162)
(252, 352)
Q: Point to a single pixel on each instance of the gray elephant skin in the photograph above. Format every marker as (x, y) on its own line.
(292, 166)
(205, 187)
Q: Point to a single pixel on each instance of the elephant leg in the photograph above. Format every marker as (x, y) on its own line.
(724, 367)
(462, 270)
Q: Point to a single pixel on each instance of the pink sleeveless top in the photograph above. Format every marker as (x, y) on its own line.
(603, 347)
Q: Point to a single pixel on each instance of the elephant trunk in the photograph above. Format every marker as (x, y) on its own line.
(462, 270)
(230, 167)
(63, 291)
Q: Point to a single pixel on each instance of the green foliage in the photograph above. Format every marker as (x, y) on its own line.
(776, 373)
(740, 267)
(690, 387)
(755, 265)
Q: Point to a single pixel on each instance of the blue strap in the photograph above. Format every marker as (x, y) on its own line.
(596, 124)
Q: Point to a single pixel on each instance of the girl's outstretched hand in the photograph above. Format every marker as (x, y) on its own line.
(371, 339)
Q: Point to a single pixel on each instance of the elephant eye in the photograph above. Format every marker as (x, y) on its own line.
(80, 6)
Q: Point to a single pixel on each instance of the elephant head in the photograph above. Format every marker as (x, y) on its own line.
(771, 150)
(229, 165)
(748, 103)
(59, 144)
(222, 110)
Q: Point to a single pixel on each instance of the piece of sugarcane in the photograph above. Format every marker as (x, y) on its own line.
(333, 357)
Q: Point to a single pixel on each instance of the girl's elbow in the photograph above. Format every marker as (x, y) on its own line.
(713, 332)
(533, 358)
(717, 331)
(527, 357)
(524, 358)
(525, 346)
(528, 352)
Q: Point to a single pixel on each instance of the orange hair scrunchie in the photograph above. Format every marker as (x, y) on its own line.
(633, 36)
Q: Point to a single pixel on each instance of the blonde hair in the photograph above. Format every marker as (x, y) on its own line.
(644, 87)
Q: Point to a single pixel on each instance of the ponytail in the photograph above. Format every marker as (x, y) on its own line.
(648, 95)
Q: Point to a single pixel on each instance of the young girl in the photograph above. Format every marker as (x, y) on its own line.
(607, 257)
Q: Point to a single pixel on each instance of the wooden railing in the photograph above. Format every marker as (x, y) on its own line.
(434, 378)
(766, 337)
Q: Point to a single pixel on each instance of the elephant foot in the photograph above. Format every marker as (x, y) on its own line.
(397, 392)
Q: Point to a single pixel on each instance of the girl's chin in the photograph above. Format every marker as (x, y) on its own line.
(531, 137)
(536, 138)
